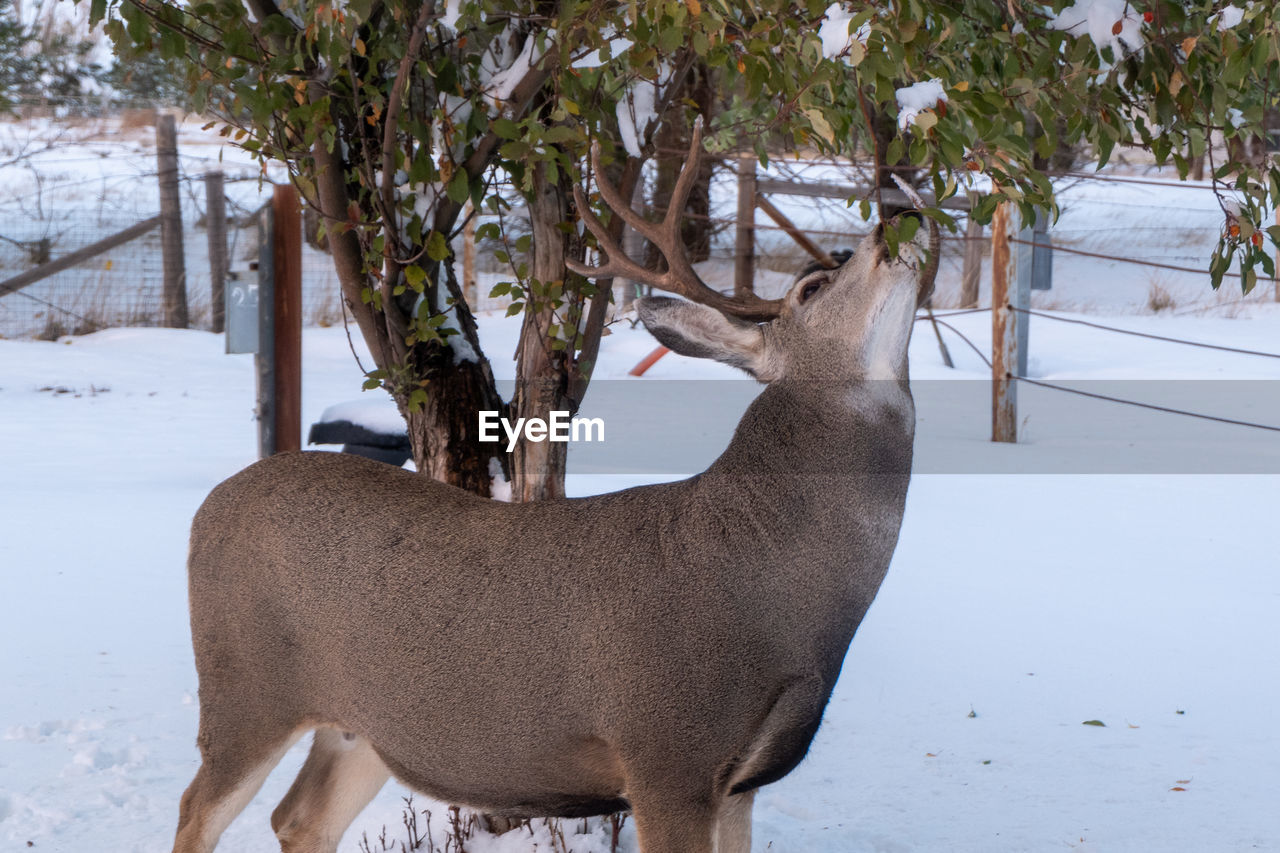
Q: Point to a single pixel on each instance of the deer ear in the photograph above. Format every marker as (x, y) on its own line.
(701, 332)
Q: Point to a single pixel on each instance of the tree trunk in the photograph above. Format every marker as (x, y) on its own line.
(445, 433)
(538, 468)
(672, 141)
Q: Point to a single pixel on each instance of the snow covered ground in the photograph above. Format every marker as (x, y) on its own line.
(1018, 608)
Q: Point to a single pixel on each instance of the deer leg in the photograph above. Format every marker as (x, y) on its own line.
(671, 825)
(733, 824)
(341, 775)
(231, 772)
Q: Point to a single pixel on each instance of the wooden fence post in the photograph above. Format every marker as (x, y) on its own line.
(216, 220)
(175, 273)
(1004, 333)
(971, 273)
(744, 240)
(287, 300)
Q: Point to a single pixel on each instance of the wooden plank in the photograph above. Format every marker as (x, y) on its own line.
(744, 253)
(79, 256)
(287, 299)
(795, 233)
(175, 272)
(1004, 335)
(216, 222)
(824, 189)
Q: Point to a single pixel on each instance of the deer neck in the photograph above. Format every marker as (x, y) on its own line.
(808, 456)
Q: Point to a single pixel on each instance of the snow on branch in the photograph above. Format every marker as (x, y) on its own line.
(1110, 23)
(918, 97)
(834, 32)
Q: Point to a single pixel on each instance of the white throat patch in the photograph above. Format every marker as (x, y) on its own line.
(884, 344)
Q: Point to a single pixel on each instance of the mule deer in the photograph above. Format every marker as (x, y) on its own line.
(667, 649)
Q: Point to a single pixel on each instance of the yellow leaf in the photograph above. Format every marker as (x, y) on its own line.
(107, 265)
(360, 48)
(962, 86)
(1188, 45)
(1177, 788)
(695, 8)
(926, 120)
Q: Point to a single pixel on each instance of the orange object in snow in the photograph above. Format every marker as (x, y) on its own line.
(648, 361)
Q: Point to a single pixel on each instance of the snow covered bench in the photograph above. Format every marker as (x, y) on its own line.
(370, 427)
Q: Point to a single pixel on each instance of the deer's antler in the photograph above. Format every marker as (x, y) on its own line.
(679, 277)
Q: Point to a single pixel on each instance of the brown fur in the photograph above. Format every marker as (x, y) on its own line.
(669, 647)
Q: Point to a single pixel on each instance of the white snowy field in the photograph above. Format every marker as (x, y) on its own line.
(1018, 607)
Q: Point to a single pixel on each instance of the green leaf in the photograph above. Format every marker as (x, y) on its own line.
(415, 276)
(458, 189)
(437, 247)
(505, 128)
(514, 308)
(1098, 723)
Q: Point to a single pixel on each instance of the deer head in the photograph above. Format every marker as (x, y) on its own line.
(848, 323)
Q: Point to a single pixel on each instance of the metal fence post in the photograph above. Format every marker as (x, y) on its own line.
(1022, 276)
(216, 220)
(264, 359)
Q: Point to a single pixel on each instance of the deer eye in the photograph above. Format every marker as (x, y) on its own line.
(807, 292)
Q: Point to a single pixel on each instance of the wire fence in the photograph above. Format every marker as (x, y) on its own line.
(940, 320)
(124, 285)
(59, 204)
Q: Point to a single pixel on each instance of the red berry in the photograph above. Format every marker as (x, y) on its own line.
(1148, 17)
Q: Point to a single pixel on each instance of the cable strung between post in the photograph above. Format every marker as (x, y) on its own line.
(1106, 397)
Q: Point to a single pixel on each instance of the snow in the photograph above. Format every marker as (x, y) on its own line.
(452, 12)
(1099, 18)
(618, 46)
(918, 97)
(834, 31)
(1229, 17)
(500, 486)
(503, 84)
(376, 412)
(637, 114)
